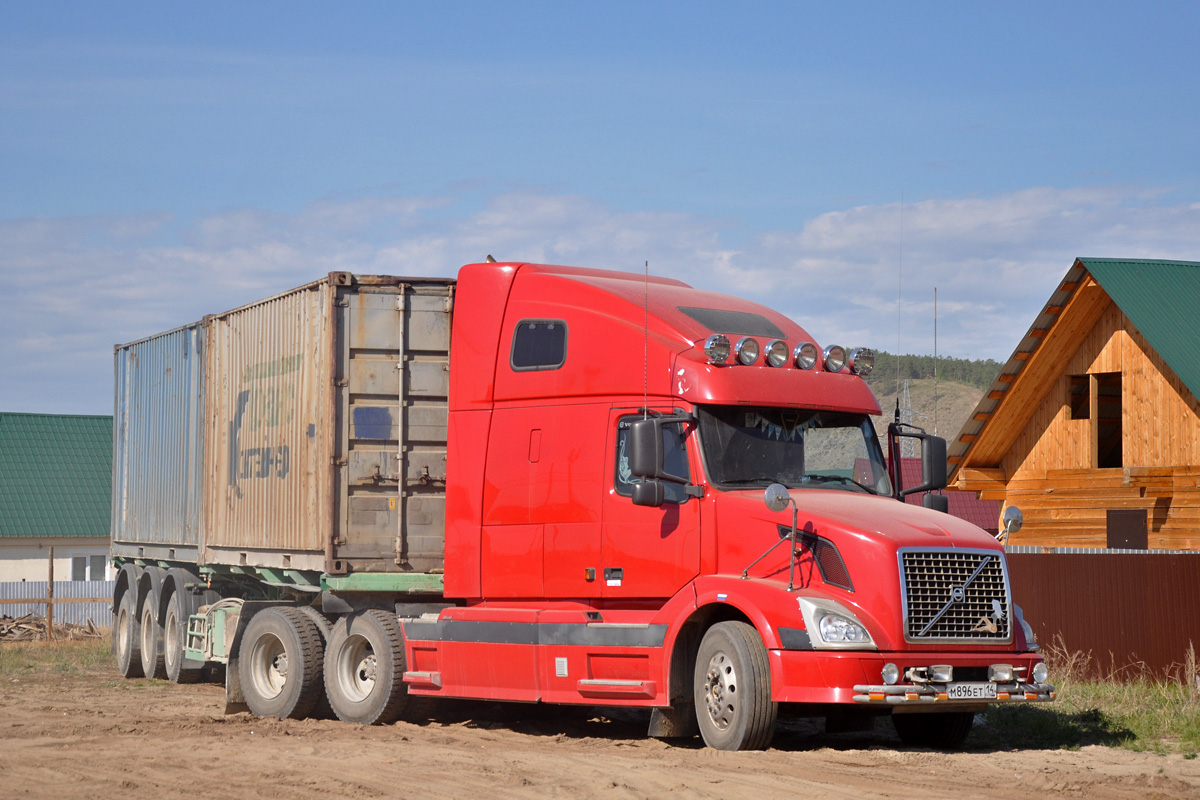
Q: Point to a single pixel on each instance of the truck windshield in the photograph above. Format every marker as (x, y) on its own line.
(800, 448)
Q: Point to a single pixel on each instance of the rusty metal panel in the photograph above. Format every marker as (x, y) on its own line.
(1133, 611)
(393, 353)
(268, 458)
(158, 438)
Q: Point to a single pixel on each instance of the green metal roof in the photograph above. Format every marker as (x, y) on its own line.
(1162, 300)
(55, 475)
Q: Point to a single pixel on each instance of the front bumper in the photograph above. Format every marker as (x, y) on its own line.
(855, 678)
(939, 693)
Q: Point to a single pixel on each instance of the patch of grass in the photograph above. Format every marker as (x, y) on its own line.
(1127, 708)
(26, 658)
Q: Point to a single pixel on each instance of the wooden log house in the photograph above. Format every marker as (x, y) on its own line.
(1092, 428)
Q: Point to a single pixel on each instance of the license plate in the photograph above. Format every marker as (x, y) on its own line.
(971, 691)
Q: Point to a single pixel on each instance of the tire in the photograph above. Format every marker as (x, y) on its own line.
(732, 689)
(127, 635)
(150, 638)
(944, 731)
(321, 709)
(364, 668)
(175, 625)
(279, 663)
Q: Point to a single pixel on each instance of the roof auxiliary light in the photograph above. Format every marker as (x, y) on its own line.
(777, 352)
(835, 358)
(716, 347)
(747, 350)
(805, 355)
(862, 361)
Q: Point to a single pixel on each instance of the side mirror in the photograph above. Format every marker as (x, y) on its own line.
(933, 459)
(1013, 520)
(937, 502)
(647, 449)
(649, 493)
(776, 497)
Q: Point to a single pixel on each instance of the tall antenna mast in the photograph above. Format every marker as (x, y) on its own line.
(899, 291)
(646, 342)
(935, 358)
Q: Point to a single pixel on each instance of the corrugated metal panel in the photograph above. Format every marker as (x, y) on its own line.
(99, 611)
(1136, 609)
(1162, 299)
(268, 401)
(158, 439)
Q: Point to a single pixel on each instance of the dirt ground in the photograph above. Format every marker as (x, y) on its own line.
(85, 734)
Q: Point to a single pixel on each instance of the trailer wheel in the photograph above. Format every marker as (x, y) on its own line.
(279, 663)
(126, 636)
(733, 689)
(175, 626)
(151, 637)
(364, 668)
(321, 709)
(944, 731)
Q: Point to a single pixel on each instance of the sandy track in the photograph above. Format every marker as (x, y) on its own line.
(73, 735)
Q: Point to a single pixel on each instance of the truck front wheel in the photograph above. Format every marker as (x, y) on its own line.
(733, 689)
(945, 731)
(279, 663)
(364, 668)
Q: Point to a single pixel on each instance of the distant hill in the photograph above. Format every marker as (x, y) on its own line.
(939, 406)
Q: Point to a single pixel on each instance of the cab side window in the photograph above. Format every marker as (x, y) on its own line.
(675, 459)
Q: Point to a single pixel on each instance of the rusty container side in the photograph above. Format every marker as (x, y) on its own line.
(158, 442)
(392, 349)
(268, 456)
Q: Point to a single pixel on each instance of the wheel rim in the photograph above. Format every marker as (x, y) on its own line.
(268, 667)
(356, 665)
(148, 625)
(122, 627)
(171, 637)
(720, 691)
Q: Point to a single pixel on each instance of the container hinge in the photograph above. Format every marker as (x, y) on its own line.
(339, 462)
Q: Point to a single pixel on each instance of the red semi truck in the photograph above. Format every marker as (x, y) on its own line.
(544, 484)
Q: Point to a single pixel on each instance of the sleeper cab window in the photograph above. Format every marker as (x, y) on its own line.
(675, 460)
(539, 344)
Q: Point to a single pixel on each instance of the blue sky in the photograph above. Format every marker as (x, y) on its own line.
(836, 161)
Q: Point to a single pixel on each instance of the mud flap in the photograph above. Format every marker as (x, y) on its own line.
(676, 722)
(235, 701)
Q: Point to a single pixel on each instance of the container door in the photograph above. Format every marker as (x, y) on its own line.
(394, 368)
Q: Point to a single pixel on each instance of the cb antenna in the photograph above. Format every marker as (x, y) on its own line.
(646, 342)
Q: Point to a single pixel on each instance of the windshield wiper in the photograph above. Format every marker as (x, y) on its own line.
(841, 478)
(759, 479)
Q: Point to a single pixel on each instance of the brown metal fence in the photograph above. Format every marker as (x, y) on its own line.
(1134, 612)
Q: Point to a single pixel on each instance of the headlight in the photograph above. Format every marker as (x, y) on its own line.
(1001, 673)
(805, 355)
(716, 347)
(832, 626)
(835, 358)
(747, 350)
(1041, 673)
(836, 629)
(862, 361)
(777, 352)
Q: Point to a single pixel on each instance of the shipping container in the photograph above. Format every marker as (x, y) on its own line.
(305, 432)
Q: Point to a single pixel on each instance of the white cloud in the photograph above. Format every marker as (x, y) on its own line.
(78, 285)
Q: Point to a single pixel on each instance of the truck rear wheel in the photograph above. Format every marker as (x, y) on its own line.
(175, 640)
(279, 663)
(364, 668)
(150, 639)
(733, 689)
(944, 731)
(127, 635)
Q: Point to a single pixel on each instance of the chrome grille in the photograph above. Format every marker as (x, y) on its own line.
(955, 596)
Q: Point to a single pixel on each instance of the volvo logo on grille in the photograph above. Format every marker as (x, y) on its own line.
(958, 594)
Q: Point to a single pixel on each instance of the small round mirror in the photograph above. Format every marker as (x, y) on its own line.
(777, 497)
(1013, 519)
